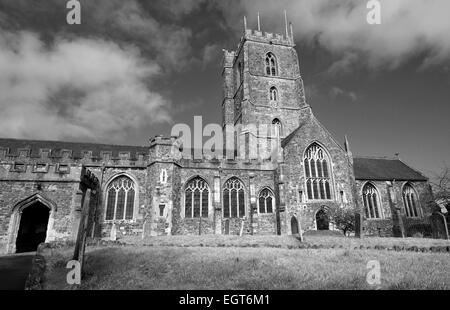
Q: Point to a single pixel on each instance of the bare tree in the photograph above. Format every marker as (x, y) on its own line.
(441, 184)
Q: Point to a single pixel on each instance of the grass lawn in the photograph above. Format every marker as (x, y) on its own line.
(283, 241)
(235, 267)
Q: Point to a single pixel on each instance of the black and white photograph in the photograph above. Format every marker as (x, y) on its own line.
(220, 151)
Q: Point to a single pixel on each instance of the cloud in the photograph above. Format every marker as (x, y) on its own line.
(75, 89)
(169, 43)
(211, 52)
(336, 92)
(409, 28)
(178, 8)
(153, 26)
(344, 64)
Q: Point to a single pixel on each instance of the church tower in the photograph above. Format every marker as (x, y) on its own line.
(263, 89)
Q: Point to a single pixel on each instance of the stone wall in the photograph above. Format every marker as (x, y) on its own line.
(256, 107)
(304, 210)
(123, 227)
(215, 222)
(384, 226)
(59, 190)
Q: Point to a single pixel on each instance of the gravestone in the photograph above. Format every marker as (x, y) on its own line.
(241, 231)
(439, 226)
(359, 225)
(113, 233)
(227, 227)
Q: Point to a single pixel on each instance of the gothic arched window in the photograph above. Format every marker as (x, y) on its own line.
(233, 198)
(277, 130)
(371, 200)
(266, 201)
(120, 198)
(318, 180)
(196, 198)
(273, 94)
(271, 65)
(410, 201)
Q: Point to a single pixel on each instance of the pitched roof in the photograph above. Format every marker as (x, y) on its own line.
(75, 147)
(370, 168)
(288, 138)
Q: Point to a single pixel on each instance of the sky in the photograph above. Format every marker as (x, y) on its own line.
(133, 69)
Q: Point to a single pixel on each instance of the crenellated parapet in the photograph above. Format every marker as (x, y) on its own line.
(164, 149)
(267, 37)
(171, 149)
(45, 156)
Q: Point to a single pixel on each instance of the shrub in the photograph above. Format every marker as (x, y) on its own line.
(344, 219)
(417, 235)
(420, 228)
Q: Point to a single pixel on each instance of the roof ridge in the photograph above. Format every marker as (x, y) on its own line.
(375, 157)
(370, 168)
(328, 132)
(411, 167)
(289, 136)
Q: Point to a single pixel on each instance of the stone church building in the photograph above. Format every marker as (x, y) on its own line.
(160, 189)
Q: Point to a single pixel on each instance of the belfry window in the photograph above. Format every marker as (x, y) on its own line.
(271, 65)
(318, 181)
(273, 94)
(196, 198)
(120, 198)
(410, 201)
(233, 199)
(266, 201)
(371, 200)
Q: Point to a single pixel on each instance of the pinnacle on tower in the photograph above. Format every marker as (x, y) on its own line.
(347, 145)
(286, 24)
(259, 23)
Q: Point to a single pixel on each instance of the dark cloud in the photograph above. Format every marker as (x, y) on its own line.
(409, 28)
(99, 88)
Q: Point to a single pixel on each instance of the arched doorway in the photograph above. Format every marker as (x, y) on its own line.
(33, 227)
(294, 226)
(322, 220)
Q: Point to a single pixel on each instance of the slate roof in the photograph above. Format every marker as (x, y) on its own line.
(75, 147)
(383, 169)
